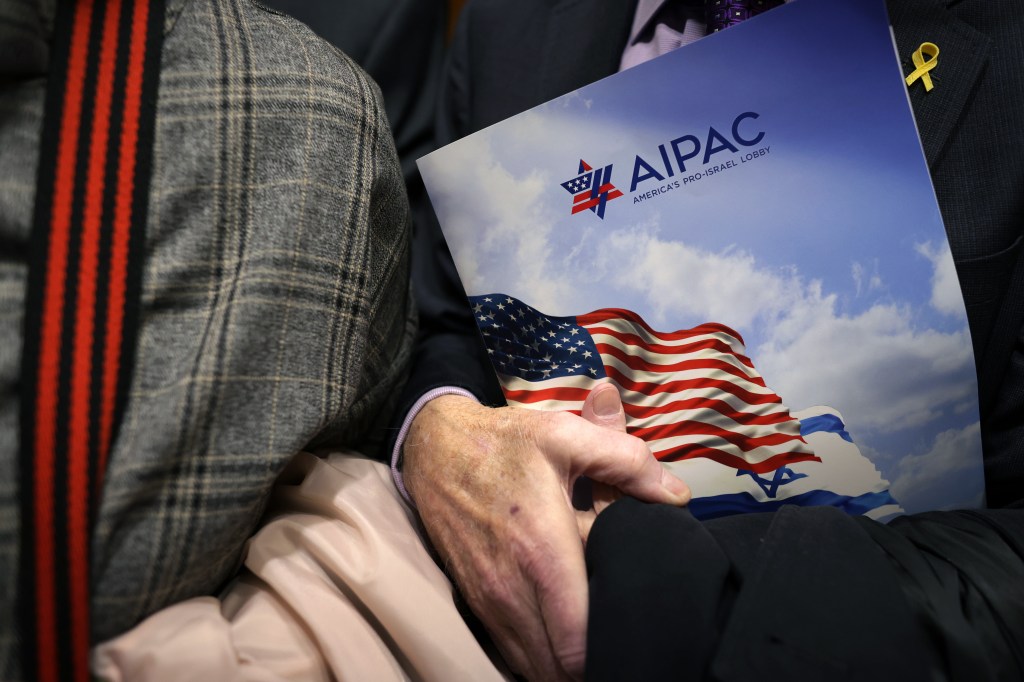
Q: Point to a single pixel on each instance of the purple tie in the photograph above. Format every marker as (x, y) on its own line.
(724, 13)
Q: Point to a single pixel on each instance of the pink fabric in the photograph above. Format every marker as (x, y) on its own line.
(338, 584)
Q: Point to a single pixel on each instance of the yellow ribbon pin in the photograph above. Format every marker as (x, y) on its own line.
(924, 65)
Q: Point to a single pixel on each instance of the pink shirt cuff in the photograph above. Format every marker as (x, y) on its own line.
(396, 454)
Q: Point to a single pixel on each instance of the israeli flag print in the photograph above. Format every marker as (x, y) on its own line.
(843, 478)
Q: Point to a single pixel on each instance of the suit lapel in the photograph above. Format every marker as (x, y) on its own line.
(583, 43)
(963, 54)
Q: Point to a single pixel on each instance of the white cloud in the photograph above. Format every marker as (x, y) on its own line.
(874, 367)
(948, 470)
(499, 213)
(946, 295)
(512, 253)
(864, 281)
(685, 282)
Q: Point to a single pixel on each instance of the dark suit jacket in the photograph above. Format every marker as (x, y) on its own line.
(508, 57)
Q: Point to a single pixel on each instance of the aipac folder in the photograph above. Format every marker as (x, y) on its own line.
(743, 237)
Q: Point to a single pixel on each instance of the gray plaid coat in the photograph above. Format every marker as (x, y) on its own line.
(275, 311)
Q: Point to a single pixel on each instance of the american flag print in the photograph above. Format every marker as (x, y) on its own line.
(690, 393)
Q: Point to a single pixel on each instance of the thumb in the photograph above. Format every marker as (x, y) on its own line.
(612, 457)
(603, 407)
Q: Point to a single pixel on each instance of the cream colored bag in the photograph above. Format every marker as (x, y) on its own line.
(338, 584)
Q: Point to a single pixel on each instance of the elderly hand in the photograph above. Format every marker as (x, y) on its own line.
(493, 487)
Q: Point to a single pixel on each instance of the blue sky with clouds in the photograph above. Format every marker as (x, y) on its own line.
(827, 252)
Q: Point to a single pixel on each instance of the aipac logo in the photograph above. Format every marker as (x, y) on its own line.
(591, 189)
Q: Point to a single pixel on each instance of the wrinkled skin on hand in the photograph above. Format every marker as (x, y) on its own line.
(493, 487)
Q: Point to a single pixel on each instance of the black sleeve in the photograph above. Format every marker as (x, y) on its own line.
(805, 593)
(448, 350)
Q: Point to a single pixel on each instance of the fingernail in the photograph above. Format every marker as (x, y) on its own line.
(674, 485)
(607, 403)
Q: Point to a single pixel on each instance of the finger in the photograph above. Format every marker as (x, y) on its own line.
(603, 407)
(506, 601)
(562, 594)
(549, 624)
(510, 646)
(604, 495)
(611, 457)
(584, 522)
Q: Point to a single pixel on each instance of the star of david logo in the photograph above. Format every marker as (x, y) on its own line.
(782, 476)
(591, 189)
